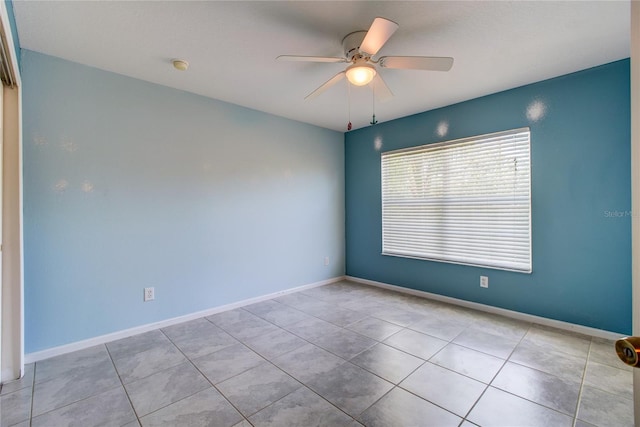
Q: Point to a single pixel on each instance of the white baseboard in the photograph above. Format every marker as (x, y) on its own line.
(586, 330)
(102, 339)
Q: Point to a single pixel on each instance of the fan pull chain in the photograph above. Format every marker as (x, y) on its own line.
(373, 103)
(349, 126)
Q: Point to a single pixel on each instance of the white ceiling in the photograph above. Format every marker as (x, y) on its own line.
(232, 47)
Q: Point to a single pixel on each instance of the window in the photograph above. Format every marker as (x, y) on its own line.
(466, 201)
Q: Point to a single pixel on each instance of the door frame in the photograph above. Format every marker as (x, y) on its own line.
(635, 189)
(11, 274)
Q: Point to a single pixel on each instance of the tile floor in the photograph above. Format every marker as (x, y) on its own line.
(338, 355)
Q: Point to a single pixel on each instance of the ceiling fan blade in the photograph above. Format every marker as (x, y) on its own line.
(377, 36)
(333, 80)
(380, 89)
(433, 63)
(297, 58)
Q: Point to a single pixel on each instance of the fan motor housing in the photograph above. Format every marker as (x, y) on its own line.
(351, 44)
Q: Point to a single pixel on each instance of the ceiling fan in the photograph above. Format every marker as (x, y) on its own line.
(359, 49)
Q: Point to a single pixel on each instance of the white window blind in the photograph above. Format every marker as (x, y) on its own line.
(466, 201)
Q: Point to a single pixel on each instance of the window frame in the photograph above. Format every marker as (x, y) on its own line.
(525, 266)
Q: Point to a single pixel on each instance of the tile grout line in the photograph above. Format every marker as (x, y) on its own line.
(33, 392)
(426, 400)
(323, 398)
(497, 373)
(194, 366)
(530, 327)
(584, 377)
(115, 368)
(574, 417)
(408, 327)
(205, 377)
(264, 360)
(263, 357)
(303, 385)
(345, 361)
(70, 403)
(341, 327)
(424, 361)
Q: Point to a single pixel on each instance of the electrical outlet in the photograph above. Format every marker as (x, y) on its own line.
(149, 294)
(326, 260)
(484, 281)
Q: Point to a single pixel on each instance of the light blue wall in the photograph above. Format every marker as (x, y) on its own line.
(581, 199)
(128, 184)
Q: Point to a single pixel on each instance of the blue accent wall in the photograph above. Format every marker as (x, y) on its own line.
(581, 198)
(128, 184)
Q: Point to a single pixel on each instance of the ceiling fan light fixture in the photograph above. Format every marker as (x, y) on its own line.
(360, 74)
